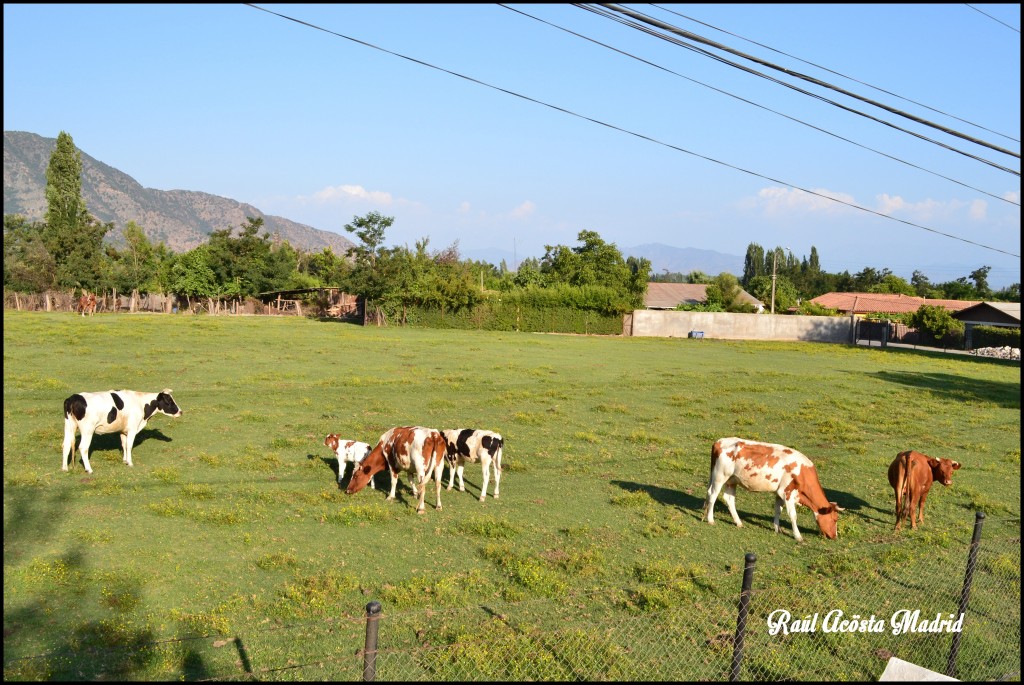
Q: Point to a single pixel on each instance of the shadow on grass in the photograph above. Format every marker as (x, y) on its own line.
(111, 442)
(332, 464)
(944, 386)
(666, 496)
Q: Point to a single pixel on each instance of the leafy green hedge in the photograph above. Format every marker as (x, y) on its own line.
(505, 316)
(994, 336)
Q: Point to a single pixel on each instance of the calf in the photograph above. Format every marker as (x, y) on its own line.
(466, 444)
(911, 475)
(348, 452)
(122, 411)
(767, 467)
(416, 450)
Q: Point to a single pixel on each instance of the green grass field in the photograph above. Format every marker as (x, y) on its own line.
(229, 548)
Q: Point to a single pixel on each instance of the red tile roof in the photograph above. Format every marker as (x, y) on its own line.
(884, 303)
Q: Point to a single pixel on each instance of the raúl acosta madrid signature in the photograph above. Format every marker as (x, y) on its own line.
(902, 621)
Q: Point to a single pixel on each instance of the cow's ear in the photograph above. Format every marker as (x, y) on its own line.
(933, 462)
(956, 465)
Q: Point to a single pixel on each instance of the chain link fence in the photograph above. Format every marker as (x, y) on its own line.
(693, 625)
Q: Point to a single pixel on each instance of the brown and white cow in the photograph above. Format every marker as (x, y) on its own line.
(767, 467)
(467, 444)
(416, 450)
(348, 452)
(911, 475)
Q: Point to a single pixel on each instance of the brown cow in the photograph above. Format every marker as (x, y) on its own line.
(911, 475)
(87, 304)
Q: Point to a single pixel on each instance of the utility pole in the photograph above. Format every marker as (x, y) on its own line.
(775, 257)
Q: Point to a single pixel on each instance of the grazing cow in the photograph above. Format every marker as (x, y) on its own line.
(87, 304)
(122, 411)
(911, 475)
(466, 444)
(348, 452)
(416, 450)
(766, 467)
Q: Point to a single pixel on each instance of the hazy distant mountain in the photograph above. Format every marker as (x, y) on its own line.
(181, 219)
(686, 259)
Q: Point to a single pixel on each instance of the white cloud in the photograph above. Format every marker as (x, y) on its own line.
(463, 207)
(979, 210)
(788, 200)
(350, 192)
(1012, 196)
(524, 210)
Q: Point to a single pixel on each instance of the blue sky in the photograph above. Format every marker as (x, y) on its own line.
(302, 123)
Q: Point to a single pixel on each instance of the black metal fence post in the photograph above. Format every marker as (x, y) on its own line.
(965, 594)
(741, 621)
(370, 647)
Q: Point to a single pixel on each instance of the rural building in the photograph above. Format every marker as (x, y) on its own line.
(1002, 314)
(862, 304)
(671, 295)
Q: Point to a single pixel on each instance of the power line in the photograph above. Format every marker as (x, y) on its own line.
(850, 78)
(750, 102)
(622, 130)
(700, 39)
(992, 18)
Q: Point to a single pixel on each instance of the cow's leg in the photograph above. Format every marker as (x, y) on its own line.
(920, 507)
(485, 462)
(341, 469)
(496, 465)
(438, 476)
(778, 512)
(69, 444)
(127, 441)
(709, 504)
(791, 510)
(419, 489)
(83, 447)
(451, 475)
(372, 486)
(394, 483)
(729, 495)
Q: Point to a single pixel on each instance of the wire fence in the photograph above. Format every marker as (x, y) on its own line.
(947, 602)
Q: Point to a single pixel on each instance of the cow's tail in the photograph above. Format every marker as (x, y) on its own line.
(497, 455)
(906, 485)
(716, 450)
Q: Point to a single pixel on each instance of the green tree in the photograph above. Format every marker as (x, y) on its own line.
(192, 276)
(892, 283)
(938, 322)
(366, 278)
(980, 278)
(724, 290)
(249, 263)
(71, 235)
(786, 295)
(28, 265)
(753, 264)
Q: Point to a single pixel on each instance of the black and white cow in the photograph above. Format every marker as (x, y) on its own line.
(114, 411)
(467, 444)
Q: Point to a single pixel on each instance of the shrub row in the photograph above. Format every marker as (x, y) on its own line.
(994, 336)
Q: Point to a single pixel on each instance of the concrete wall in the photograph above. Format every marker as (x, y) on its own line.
(672, 324)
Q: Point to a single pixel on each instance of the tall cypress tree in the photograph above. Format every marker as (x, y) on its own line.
(72, 236)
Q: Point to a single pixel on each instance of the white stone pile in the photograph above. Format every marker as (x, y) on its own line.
(998, 352)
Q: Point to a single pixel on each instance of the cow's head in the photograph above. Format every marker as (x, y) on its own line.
(164, 404)
(942, 470)
(373, 463)
(828, 519)
(332, 440)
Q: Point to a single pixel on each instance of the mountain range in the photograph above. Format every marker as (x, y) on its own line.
(181, 219)
(184, 219)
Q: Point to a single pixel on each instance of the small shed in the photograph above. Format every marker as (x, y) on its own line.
(332, 301)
